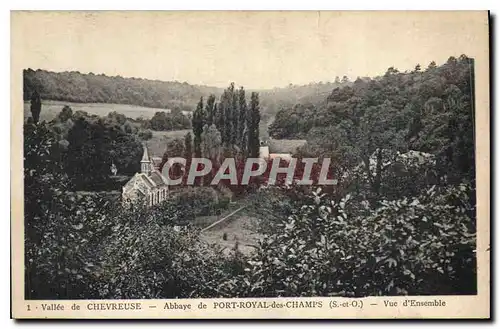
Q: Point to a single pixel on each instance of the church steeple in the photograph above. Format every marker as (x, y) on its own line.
(145, 162)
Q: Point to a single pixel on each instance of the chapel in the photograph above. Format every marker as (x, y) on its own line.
(148, 185)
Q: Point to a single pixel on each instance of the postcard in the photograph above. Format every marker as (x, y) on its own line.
(250, 165)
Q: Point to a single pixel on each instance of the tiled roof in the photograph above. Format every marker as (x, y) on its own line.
(145, 179)
(156, 177)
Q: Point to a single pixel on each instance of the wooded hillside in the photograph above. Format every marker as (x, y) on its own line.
(429, 110)
(99, 88)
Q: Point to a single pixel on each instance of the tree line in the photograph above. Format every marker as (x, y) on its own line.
(236, 121)
(99, 88)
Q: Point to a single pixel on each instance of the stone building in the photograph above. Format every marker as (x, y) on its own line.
(148, 185)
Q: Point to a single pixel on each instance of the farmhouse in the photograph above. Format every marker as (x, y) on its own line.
(148, 185)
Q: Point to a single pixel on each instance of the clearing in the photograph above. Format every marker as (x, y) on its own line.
(239, 228)
(50, 109)
(157, 145)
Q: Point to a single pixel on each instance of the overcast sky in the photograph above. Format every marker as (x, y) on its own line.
(253, 49)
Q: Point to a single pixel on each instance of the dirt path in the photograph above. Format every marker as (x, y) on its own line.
(239, 228)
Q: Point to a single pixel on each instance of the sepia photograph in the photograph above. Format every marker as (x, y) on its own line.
(230, 155)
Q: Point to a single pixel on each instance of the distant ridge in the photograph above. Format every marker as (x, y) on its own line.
(99, 88)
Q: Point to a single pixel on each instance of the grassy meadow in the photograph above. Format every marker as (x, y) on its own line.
(50, 109)
(158, 143)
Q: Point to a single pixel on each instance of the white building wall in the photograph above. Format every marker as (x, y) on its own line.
(264, 152)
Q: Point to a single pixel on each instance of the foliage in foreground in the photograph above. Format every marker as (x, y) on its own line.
(419, 246)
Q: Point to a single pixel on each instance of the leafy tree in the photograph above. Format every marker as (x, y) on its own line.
(159, 121)
(176, 148)
(92, 148)
(145, 134)
(125, 151)
(163, 121)
(65, 114)
(211, 143)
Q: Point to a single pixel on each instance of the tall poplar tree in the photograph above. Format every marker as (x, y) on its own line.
(219, 118)
(227, 108)
(188, 146)
(198, 121)
(253, 126)
(236, 133)
(210, 110)
(242, 120)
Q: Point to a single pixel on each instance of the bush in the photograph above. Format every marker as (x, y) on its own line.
(419, 246)
(145, 134)
(139, 261)
(61, 263)
(275, 203)
(202, 201)
(91, 249)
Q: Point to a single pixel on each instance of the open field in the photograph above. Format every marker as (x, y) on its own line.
(158, 144)
(50, 109)
(239, 228)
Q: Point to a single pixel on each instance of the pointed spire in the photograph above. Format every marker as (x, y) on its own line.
(145, 156)
(146, 165)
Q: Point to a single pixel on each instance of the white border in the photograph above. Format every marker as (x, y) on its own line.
(200, 4)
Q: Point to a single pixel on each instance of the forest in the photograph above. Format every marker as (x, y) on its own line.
(99, 88)
(400, 221)
(429, 110)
